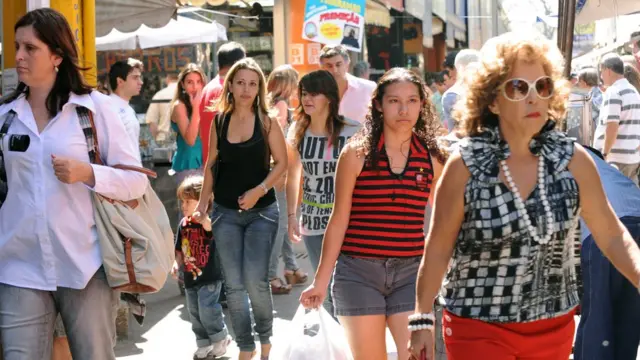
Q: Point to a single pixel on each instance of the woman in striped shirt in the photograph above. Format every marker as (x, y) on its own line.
(376, 228)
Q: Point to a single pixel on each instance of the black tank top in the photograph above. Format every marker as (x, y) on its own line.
(242, 167)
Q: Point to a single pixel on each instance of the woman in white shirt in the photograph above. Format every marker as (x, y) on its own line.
(50, 259)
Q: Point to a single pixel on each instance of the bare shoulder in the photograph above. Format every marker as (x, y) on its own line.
(352, 155)
(582, 166)
(455, 173)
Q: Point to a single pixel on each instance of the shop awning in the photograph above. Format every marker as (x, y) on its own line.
(128, 15)
(377, 14)
(171, 34)
(264, 3)
(592, 10)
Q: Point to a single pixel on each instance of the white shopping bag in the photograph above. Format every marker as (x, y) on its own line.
(312, 335)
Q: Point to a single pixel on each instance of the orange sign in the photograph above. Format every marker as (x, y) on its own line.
(303, 54)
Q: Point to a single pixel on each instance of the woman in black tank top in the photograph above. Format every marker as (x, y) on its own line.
(245, 216)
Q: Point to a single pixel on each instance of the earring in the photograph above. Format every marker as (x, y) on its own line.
(56, 68)
(229, 98)
(258, 101)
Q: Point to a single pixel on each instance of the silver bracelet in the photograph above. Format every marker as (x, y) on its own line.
(264, 188)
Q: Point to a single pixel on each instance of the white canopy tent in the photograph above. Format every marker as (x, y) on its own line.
(177, 32)
(603, 9)
(128, 15)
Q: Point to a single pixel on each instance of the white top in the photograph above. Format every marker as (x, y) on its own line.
(47, 229)
(158, 111)
(620, 104)
(356, 100)
(129, 119)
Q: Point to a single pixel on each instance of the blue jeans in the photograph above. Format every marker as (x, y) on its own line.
(244, 241)
(28, 317)
(282, 244)
(205, 312)
(313, 243)
(610, 311)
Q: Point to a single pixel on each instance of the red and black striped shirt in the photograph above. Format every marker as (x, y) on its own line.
(387, 209)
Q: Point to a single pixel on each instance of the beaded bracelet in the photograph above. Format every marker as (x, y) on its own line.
(419, 322)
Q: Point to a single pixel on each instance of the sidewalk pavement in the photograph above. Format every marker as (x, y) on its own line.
(166, 332)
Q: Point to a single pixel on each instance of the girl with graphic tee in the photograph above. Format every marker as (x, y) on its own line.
(315, 141)
(375, 236)
(196, 255)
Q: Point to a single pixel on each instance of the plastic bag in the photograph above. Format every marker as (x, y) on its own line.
(312, 335)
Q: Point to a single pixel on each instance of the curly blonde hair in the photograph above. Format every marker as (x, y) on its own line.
(498, 57)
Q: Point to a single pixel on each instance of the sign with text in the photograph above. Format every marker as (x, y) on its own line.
(171, 59)
(335, 22)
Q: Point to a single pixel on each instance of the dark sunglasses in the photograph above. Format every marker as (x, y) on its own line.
(518, 89)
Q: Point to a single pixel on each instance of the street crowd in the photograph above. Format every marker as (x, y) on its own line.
(527, 226)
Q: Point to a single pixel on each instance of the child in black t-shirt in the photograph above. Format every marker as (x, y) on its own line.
(195, 252)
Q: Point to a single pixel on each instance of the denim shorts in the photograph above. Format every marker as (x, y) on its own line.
(365, 286)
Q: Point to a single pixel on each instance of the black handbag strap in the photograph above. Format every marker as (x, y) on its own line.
(11, 115)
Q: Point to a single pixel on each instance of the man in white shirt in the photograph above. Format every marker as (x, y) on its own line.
(125, 80)
(355, 93)
(158, 112)
(617, 136)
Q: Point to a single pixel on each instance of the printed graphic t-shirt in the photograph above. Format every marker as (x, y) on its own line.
(201, 263)
(319, 161)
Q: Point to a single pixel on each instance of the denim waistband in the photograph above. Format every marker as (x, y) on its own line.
(393, 261)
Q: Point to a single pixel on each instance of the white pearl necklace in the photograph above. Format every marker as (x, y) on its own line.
(520, 205)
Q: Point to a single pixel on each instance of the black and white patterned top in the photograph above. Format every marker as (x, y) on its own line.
(500, 273)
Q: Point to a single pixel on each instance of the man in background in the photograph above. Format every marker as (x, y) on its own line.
(125, 80)
(464, 60)
(228, 54)
(158, 112)
(361, 70)
(616, 136)
(588, 80)
(355, 93)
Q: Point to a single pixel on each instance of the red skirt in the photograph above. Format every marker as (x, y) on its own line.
(468, 339)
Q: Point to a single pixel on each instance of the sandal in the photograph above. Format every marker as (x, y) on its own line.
(296, 277)
(278, 287)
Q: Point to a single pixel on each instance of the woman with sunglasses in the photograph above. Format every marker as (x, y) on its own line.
(507, 209)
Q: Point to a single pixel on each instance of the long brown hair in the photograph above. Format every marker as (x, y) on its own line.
(281, 84)
(319, 82)
(52, 28)
(226, 104)
(632, 75)
(427, 127)
(180, 94)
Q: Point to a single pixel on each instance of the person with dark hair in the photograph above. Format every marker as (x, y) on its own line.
(315, 140)
(355, 93)
(185, 121)
(632, 75)
(441, 84)
(449, 65)
(589, 80)
(617, 133)
(228, 54)
(125, 80)
(506, 223)
(49, 250)
(610, 306)
(375, 235)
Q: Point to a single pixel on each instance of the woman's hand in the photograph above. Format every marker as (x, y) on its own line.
(71, 171)
(195, 99)
(249, 199)
(200, 214)
(294, 229)
(421, 345)
(313, 296)
(175, 269)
